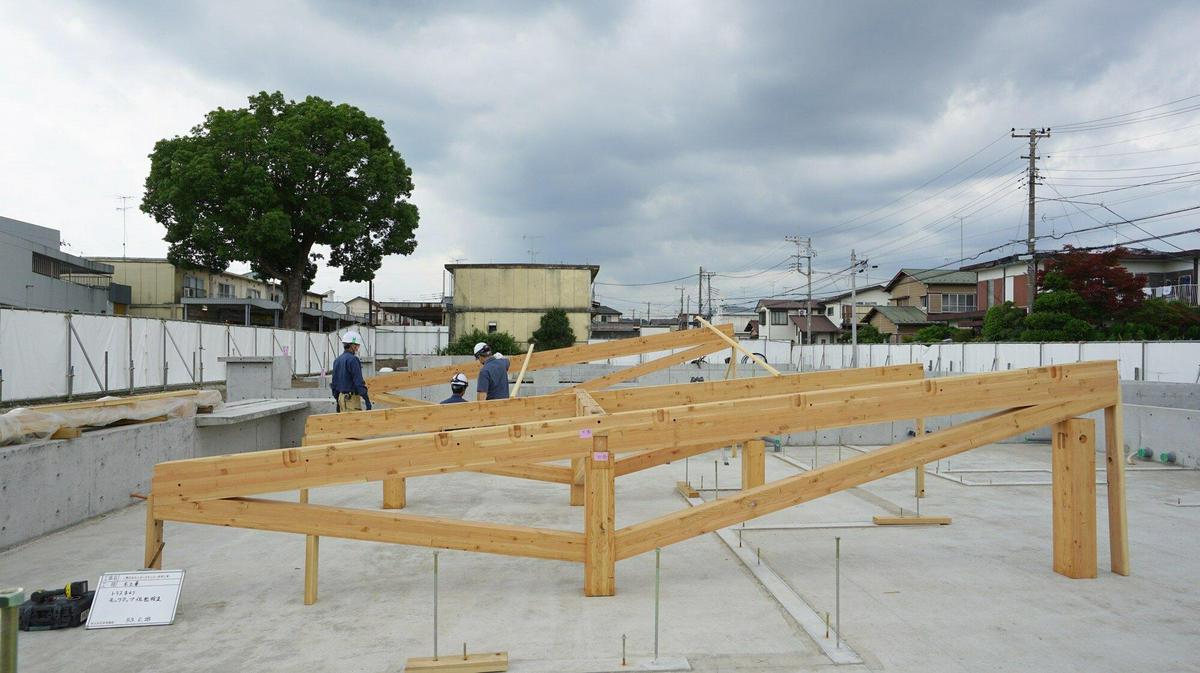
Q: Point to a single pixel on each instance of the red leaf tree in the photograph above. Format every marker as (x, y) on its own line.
(1098, 277)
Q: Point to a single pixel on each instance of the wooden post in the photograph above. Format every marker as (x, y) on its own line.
(577, 477)
(599, 532)
(919, 471)
(521, 376)
(311, 548)
(1114, 442)
(1073, 456)
(154, 537)
(394, 493)
(754, 463)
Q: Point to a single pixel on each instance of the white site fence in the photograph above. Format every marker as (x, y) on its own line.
(50, 354)
(1164, 361)
(402, 341)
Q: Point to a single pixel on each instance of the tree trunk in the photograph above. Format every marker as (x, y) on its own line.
(293, 299)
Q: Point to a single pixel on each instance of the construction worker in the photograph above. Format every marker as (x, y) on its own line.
(493, 374)
(458, 386)
(349, 388)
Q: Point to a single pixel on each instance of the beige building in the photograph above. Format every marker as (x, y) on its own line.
(513, 297)
(159, 289)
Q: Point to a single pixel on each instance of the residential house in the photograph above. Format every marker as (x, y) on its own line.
(37, 274)
(944, 295)
(159, 289)
(1172, 275)
(837, 308)
(739, 316)
(513, 297)
(898, 322)
(822, 328)
(775, 317)
(602, 313)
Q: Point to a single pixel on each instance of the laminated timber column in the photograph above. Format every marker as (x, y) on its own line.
(154, 537)
(311, 556)
(1114, 450)
(599, 521)
(394, 493)
(585, 405)
(919, 471)
(754, 467)
(1074, 483)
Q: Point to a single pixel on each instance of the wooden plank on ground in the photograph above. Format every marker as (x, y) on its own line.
(376, 526)
(488, 662)
(856, 471)
(120, 401)
(432, 453)
(911, 520)
(558, 357)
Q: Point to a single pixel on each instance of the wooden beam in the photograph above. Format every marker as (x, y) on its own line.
(1073, 457)
(320, 428)
(691, 424)
(599, 522)
(645, 368)
(555, 474)
(376, 526)
(585, 405)
(1114, 465)
(643, 460)
(558, 357)
(399, 401)
(856, 471)
(521, 376)
(754, 463)
(117, 402)
(733, 342)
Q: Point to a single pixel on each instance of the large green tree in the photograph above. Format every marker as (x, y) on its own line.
(554, 331)
(268, 183)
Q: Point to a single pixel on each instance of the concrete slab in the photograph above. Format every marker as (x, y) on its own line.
(978, 595)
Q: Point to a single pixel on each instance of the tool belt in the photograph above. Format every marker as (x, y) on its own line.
(349, 402)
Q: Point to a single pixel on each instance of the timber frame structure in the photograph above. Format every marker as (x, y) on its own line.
(607, 433)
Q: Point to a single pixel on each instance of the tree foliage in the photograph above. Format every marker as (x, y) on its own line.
(267, 183)
(940, 333)
(1106, 287)
(867, 334)
(501, 342)
(554, 331)
(1003, 322)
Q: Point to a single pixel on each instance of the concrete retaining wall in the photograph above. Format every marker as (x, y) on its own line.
(48, 485)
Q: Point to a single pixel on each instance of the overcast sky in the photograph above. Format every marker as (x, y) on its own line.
(649, 138)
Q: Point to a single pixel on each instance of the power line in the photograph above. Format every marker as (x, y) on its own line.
(1144, 184)
(1126, 114)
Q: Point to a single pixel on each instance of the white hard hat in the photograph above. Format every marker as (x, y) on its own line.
(351, 337)
(482, 348)
(459, 380)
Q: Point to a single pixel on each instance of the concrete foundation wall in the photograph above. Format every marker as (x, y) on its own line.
(48, 485)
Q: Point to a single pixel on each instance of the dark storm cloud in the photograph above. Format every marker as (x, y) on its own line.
(701, 133)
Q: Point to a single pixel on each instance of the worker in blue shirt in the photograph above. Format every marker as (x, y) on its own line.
(493, 375)
(349, 388)
(458, 386)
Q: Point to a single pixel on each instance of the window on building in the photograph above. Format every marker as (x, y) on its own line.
(958, 302)
(253, 294)
(275, 297)
(313, 304)
(924, 301)
(491, 328)
(779, 317)
(193, 286)
(829, 310)
(225, 291)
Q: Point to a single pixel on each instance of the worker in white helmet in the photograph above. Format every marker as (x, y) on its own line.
(349, 388)
(458, 386)
(493, 374)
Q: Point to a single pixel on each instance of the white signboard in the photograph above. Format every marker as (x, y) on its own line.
(143, 598)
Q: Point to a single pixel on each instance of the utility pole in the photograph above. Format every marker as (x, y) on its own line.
(700, 294)
(1032, 181)
(709, 315)
(808, 254)
(853, 309)
(681, 312)
(647, 313)
(124, 229)
(532, 253)
(961, 253)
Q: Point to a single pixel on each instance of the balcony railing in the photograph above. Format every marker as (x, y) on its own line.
(1183, 293)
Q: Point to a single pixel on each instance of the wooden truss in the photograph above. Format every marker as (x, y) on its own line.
(605, 434)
